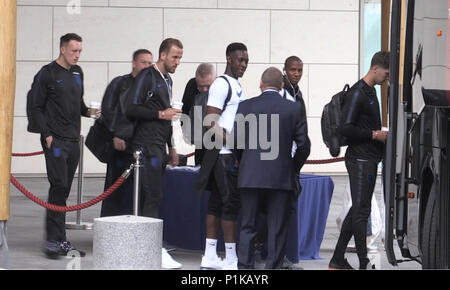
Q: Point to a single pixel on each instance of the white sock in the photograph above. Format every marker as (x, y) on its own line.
(211, 248)
(230, 252)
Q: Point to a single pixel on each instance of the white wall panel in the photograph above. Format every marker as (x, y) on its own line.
(65, 3)
(24, 142)
(34, 33)
(317, 36)
(25, 72)
(206, 33)
(110, 34)
(116, 69)
(327, 80)
(95, 80)
(165, 3)
(323, 33)
(350, 5)
(264, 4)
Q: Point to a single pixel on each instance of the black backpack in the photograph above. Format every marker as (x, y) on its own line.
(197, 114)
(32, 128)
(128, 126)
(331, 121)
(99, 140)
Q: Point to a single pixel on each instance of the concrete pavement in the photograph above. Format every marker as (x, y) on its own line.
(25, 233)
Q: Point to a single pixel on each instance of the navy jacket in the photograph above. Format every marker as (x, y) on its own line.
(58, 101)
(114, 104)
(143, 106)
(361, 116)
(274, 167)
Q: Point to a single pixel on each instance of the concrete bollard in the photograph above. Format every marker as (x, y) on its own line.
(127, 242)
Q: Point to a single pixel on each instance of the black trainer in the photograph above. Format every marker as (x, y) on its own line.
(364, 264)
(342, 265)
(68, 250)
(54, 249)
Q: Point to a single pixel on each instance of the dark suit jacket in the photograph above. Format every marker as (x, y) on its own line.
(282, 171)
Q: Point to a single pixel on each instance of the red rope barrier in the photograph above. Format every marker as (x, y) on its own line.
(27, 154)
(77, 207)
(311, 162)
(324, 161)
(110, 190)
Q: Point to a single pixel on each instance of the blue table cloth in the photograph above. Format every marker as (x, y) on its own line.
(184, 213)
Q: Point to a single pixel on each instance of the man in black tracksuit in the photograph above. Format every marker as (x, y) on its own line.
(293, 72)
(57, 103)
(361, 125)
(149, 103)
(113, 116)
(204, 77)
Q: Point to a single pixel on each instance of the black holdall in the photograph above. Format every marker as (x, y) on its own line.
(100, 141)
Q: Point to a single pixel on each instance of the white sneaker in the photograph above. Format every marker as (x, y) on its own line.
(168, 262)
(214, 263)
(230, 265)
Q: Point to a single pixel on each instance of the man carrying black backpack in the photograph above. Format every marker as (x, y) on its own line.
(114, 118)
(54, 106)
(196, 92)
(361, 125)
(218, 171)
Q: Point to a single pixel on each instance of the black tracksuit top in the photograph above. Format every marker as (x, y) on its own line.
(143, 106)
(57, 101)
(361, 116)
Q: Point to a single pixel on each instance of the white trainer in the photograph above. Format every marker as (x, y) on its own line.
(230, 265)
(168, 262)
(214, 263)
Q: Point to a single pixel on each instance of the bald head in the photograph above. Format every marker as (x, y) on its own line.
(272, 78)
(204, 76)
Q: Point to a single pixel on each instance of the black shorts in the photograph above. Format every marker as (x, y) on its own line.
(224, 201)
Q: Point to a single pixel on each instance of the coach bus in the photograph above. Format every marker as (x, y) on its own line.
(417, 163)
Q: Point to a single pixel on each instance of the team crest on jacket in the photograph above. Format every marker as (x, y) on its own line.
(77, 77)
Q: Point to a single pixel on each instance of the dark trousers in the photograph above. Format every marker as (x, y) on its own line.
(224, 201)
(154, 164)
(61, 161)
(198, 157)
(363, 175)
(120, 202)
(277, 204)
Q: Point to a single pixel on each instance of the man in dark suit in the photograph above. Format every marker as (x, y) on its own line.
(268, 171)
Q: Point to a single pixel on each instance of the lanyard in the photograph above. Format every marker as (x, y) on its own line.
(293, 89)
(166, 80)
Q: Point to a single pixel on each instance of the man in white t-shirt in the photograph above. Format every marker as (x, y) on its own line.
(219, 167)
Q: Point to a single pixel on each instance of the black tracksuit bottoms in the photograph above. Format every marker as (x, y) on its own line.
(61, 161)
(120, 202)
(154, 164)
(362, 174)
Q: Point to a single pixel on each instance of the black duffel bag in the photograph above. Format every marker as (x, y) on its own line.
(100, 141)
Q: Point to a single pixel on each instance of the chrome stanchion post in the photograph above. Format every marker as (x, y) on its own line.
(80, 178)
(136, 184)
(78, 225)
